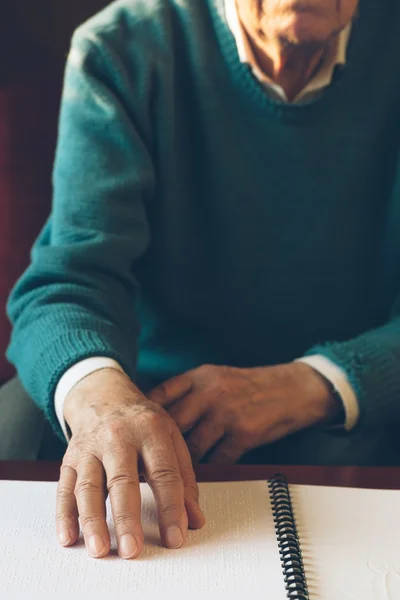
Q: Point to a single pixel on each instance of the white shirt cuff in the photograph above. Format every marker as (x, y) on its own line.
(71, 377)
(338, 378)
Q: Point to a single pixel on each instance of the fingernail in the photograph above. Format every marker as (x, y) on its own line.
(64, 537)
(174, 537)
(95, 546)
(128, 546)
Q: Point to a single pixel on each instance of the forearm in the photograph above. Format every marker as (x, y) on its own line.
(77, 299)
(41, 361)
(64, 312)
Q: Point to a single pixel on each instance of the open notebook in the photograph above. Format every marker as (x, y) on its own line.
(350, 547)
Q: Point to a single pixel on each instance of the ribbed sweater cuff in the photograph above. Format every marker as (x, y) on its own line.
(70, 348)
(373, 370)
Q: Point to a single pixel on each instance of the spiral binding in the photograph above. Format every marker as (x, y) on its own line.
(288, 540)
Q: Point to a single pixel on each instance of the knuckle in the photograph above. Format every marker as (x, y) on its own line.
(91, 521)
(64, 520)
(220, 389)
(63, 493)
(77, 448)
(245, 436)
(114, 430)
(124, 481)
(224, 386)
(151, 422)
(244, 429)
(152, 418)
(67, 466)
(206, 369)
(165, 476)
(69, 459)
(170, 506)
(122, 521)
(85, 486)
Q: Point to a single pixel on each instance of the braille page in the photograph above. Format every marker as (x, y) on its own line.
(234, 556)
(350, 541)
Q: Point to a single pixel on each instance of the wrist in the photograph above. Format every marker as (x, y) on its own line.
(324, 401)
(93, 394)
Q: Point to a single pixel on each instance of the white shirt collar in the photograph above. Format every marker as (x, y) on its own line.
(323, 77)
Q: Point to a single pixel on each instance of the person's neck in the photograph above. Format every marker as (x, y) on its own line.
(291, 67)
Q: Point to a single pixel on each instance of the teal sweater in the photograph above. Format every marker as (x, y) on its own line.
(197, 221)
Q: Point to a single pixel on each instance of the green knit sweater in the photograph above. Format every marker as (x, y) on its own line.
(197, 221)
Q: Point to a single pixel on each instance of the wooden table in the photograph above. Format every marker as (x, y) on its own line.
(368, 477)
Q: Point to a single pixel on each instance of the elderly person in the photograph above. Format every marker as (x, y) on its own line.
(219, 276)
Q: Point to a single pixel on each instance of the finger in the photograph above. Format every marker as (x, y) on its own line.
(163, 475)
(90, 496)
(204, 437)
(124, 489)
(227, 452)
(188, 411)
(194, 513)
(172, 389)
(67, 523)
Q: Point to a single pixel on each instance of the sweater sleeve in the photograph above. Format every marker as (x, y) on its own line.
(372, 364)
(77, 298)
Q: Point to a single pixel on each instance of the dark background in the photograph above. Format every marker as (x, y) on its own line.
(34, 42)
(35, 34)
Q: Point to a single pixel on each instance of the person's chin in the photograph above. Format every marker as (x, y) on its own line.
(306, 28)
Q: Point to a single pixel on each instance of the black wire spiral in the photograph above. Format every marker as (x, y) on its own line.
(288, 540)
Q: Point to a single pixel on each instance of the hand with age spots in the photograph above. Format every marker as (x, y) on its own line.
(116, 431)
(224, 412)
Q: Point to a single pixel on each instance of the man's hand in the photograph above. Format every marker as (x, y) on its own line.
(114, 427)
(230, 411)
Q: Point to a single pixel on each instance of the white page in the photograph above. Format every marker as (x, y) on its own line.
(234, 555)
(350, 540)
